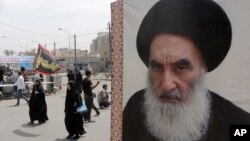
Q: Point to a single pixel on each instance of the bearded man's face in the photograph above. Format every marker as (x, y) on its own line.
(175, 64)
(177, 105)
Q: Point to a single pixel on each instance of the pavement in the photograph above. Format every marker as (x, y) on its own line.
(14, 119)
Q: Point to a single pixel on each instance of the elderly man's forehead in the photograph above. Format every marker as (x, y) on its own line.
(165, 44)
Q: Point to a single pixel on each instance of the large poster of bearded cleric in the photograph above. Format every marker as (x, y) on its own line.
(186, 69)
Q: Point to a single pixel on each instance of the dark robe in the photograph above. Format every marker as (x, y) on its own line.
(223, 114)
(71, 76)
(38, 105)
(73, 121)
(78, 81)
(1, 79)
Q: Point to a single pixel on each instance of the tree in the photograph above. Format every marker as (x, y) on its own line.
(12, 52)
(9, 52)
(6, 52)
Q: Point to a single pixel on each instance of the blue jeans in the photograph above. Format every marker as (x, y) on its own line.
(20, 95)
(88, 102)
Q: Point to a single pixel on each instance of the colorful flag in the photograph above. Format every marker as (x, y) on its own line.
(46, 62)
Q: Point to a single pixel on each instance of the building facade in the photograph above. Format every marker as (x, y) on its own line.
(98, 59)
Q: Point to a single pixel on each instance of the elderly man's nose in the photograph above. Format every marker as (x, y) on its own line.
(168, 82)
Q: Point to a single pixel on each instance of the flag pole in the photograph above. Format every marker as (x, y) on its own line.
(35, 61)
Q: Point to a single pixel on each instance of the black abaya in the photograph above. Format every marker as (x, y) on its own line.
(38, 105)
(73, 121)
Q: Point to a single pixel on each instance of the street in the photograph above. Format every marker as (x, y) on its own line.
(14, 119)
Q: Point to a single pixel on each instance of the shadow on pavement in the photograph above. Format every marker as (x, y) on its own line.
(17, 105)
(12, 106)
(64, 139)
(24, 134)
(25, 125)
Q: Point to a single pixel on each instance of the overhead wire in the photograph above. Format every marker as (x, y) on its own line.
(43, 34)
(25, 30)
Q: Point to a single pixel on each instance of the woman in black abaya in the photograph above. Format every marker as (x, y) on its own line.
(73, 121)
(37, 103)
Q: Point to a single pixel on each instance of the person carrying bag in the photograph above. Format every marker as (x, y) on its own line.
(73, 120)
(81, 109)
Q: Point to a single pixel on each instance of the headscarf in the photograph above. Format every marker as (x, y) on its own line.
(72, 86)
(202, 21)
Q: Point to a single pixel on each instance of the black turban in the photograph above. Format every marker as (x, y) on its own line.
(202, 21)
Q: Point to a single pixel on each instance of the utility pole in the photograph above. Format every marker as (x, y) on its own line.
(75, 56)
(55, 48)
(75, 46)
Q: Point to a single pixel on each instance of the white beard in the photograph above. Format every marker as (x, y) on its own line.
(178, 122)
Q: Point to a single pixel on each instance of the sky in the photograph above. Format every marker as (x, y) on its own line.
(25, 23)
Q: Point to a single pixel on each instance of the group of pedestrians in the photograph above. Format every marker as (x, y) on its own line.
(74, 122)
(76, 85)
(37, 103)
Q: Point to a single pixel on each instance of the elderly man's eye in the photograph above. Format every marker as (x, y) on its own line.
(182, 65)
(156, 66)
(182, 69)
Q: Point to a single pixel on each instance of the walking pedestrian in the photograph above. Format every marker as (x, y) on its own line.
(78, 80)
(73, 121)
(20, 86)
(88, 86)
(37, 104)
